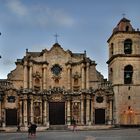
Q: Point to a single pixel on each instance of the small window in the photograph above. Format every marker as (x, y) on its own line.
(127, 28)
(111, 49)
(128, 46)
(128, 73)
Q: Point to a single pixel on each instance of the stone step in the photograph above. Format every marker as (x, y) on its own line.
(58, 127)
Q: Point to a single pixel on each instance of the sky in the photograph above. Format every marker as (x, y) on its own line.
(82, 25)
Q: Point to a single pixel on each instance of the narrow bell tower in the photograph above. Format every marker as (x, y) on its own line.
(124, 72)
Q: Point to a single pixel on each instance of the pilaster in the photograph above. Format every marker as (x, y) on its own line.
(25, 75)
(82, 109)
(83, 75)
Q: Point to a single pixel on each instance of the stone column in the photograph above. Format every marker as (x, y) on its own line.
(44, 76)
(25, 75)
(87, 76)
(82, 109)
(0, 111)
(30, 76)
(3, 118)
(45, 112)
(31, 109)
(25, 111)
(92, 106)
(68, 113)
(110, 111)
(69, 76)
(83, 76)
(20, 113)
(87, 109)
(41, 115)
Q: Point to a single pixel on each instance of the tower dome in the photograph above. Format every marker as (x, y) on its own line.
(123, 25)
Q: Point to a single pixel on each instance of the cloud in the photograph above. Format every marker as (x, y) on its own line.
(8, 62)
(17, 7)
(62, 18)
(41, 14)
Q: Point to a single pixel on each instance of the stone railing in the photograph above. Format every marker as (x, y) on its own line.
(105, 85)
(5, 84)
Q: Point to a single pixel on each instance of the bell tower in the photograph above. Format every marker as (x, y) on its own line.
(124, 72)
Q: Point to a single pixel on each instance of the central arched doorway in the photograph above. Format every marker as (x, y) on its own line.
(100, 116)
(57, 113)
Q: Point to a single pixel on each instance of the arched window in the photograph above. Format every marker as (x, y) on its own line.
(111, 74)
(127, 28)
(128, 46)
(111, 49)
(128, 73)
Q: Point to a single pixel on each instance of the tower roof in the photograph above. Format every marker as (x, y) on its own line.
(123, 25)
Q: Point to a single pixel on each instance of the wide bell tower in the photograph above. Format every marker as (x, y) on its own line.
(124, 72)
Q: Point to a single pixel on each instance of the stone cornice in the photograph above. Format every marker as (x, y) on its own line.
(127, 32)
(122, 55)
(80, 62)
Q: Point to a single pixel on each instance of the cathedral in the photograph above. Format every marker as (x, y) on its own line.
(52, 87)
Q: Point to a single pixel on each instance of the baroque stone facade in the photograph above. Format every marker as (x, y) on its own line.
(54, 86)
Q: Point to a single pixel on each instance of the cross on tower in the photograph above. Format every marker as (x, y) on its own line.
(56, 36)
(123, 15)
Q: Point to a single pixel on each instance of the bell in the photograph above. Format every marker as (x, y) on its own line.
(127, 75)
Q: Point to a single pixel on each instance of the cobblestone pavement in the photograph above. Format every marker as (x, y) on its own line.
(120, 134)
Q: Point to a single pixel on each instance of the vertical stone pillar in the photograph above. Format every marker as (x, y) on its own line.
(3, 118)
(45, 112)
(69, 76)
(44, 76)
(83, 76)
(92, 106)
(41, 111)
(25, 75)
(87, 76)
(20, 113)
(82, 109)
(25, 123)
(30, 76)
(68, 112)
(87, 109)
(110, 111)
(31, 109)
(0, 111)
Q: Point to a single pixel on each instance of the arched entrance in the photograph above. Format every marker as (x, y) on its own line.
(57, 113)
(11, 116)
(100, 116)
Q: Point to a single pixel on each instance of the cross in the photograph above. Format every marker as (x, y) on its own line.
(123, 15)
(56, 36)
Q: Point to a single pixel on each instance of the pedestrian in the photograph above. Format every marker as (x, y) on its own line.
(74, 124)
(18, 128)
(29, 130)
(33, 129)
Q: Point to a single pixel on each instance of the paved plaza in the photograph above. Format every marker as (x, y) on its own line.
(117, 134)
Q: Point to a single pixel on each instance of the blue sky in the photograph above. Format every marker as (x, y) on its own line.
(80, 24)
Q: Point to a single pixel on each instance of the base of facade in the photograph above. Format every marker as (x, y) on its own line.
(49, 128)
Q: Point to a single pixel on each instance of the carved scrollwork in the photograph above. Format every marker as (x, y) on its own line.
(36, 75)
